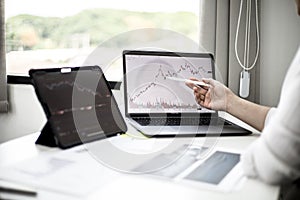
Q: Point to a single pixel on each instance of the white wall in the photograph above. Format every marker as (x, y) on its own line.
(280, 38)
(25, 116)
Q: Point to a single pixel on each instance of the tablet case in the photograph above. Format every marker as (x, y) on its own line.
(47, 136)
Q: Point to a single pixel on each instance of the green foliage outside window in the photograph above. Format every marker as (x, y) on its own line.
(28, 32)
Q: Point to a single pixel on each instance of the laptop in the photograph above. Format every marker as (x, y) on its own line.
(158, 106)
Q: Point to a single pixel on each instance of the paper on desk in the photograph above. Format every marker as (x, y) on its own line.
(139, 145)
(76, 172)
(72, 172)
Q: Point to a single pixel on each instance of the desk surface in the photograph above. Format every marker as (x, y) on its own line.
(139, 186)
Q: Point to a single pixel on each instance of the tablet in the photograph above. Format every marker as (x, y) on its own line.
(196, 166)
(78, 103)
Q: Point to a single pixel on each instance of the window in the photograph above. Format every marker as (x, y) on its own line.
(53, 33)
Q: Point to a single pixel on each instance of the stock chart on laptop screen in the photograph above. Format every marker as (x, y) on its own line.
(149, 89)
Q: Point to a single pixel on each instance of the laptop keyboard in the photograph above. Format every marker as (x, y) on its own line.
(178, 121)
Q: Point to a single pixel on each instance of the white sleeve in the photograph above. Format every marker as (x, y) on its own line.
(275, 156)
(269, 116)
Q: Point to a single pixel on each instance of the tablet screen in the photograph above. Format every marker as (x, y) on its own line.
(78, 104)
(215, 168)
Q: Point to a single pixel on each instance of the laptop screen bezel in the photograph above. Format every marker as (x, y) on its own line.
(163, 53)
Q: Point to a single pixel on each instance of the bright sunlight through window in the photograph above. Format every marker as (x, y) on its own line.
(55, 33)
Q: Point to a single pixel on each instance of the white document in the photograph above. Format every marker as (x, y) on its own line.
(76, 172)
(73, 172)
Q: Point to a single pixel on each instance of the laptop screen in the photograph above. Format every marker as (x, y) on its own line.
(148, 88)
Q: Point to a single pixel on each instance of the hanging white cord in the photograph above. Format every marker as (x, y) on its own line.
(246, 34)
(249, 31)
(246, 66)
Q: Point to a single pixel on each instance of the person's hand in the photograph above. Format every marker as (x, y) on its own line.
(215, 97)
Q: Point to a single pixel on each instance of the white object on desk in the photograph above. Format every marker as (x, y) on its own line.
(73, 172)
(13, 188)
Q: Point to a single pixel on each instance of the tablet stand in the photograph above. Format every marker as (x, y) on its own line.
(47, 137)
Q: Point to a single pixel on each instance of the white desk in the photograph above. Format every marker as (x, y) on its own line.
(139, 186)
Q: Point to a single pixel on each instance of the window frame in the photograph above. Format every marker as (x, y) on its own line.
(3, 78)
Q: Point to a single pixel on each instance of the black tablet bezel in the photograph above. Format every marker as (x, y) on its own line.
(61, 142)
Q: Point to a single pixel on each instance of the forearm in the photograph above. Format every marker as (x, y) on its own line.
(251, 113)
